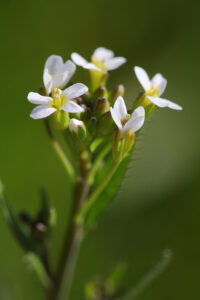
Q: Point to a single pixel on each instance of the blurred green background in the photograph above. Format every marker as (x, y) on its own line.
(158, 205)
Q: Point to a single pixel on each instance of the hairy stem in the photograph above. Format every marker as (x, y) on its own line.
(72, 244)
(96, 164)
(80, 217)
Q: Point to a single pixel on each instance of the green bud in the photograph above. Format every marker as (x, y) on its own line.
(101, 92)
(102, 107)
(61, 119)
(78, 128)
(118, 91)
(122, 144)
(105, 124)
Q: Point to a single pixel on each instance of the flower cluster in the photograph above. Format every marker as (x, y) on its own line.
(89, 113)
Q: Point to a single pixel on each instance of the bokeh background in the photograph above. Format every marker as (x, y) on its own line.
(158, 205)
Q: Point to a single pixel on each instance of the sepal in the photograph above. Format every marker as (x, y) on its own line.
(122, 144)
(61, 120)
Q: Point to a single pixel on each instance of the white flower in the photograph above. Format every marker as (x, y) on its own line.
(57, 73)
(75, 124)
(155, 88)
(60, 100)
(102, 60)
(124, 121)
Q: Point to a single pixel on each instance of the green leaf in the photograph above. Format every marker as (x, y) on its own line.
(21, 235)
(97, 204)
(35, 264)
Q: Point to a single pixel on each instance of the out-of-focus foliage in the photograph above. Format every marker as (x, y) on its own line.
(158, 205)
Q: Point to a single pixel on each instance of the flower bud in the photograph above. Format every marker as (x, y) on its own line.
(61, 119)
(102, 107)
(118, 91)
(122, 144)
(105, 124)
(101, 92)
(78, 128)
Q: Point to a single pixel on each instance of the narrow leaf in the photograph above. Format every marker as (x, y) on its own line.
(35, 264)
(16, 229)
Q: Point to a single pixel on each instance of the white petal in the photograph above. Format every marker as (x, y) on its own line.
(42, 111)
(136, 121)
(102, 53)
(119, 111)
(143, 77)
(91, 66)
(160, 102)
(72, 107)
(115, 62)
(159, 81)
(54, 64)
(78, 59)
(115, 118)
(60, 80)
(47, 81)
(69, 69)
(36, 98)
(75, 90)
(56, 73)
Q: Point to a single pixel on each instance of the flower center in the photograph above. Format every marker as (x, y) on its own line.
(124, 121)
(152, 91)
(101, 64)
(58, 99)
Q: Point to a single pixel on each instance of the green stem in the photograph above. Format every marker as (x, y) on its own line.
(66, 163)
(96, 164)
(83, 212)
(70, 267)
(149, 277)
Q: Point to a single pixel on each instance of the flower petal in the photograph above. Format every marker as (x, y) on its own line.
(102, 53)
(115, 62)
(42, 111)
(142, 76)
(91, 66)
(159, 81)
(160, 102)
(36, 98)
(54, 64)
(72, 107)
(69, 68)
(119, 111)
(78, 59)
(136, 121)
(75, 90)
(116, 118)
(47, 81)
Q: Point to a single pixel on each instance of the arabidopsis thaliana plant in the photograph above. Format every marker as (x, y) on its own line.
(102, 60)
(57, 73)
(154, 88)
(123, 120)
(60, 100)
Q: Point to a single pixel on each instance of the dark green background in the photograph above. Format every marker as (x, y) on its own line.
(158, 204)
